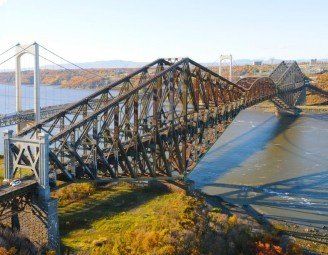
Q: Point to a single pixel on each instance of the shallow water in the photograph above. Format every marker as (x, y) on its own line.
(277, 165)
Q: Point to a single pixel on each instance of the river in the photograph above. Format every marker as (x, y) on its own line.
(50, 95)
(279, 166)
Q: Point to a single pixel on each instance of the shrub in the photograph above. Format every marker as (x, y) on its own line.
(294, 249)
(232, 221)
(268, 249)
(74, 192)
(11, 251)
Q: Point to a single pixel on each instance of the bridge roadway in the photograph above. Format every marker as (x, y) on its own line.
(8, 192)
(28, 115)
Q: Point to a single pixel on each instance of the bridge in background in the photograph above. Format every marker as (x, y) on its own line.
(164, 118)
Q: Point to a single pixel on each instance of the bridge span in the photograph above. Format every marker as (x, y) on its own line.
(164, 118)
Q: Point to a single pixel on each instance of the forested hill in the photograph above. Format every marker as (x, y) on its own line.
(92, 78)
(95, 77)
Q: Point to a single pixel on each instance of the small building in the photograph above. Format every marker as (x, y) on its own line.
(257, 62)
(313, 61)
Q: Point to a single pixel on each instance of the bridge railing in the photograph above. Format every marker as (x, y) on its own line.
(28, 154)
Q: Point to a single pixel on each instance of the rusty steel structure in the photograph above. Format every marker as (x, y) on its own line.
(163, 119)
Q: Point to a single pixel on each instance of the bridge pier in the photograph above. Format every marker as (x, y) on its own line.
(34, 214)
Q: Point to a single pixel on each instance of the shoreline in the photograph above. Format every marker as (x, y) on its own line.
(309, 238)
(305, 108)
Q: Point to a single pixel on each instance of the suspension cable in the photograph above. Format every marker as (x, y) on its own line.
(86, 70)
(70, 70)
(8, 50)
(23, 49)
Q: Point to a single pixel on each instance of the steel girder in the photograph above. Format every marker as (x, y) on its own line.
(163, 120)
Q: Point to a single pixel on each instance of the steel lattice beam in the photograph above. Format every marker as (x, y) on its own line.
(164, 118)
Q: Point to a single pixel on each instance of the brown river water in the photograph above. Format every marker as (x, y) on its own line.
(278, 165)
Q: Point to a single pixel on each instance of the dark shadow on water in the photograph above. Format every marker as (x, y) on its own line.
(234, 152)
(296, 212)
(301, 200)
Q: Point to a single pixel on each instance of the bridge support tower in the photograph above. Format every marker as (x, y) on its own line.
(20, 51)
(37, 219)
(229, 58)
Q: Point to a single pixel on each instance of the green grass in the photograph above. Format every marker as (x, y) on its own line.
(122, 218)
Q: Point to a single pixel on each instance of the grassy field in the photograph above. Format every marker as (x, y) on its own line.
(128, 219)
(123, 219)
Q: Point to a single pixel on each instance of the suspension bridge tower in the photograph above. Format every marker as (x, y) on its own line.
(21, 50)
(222, 59)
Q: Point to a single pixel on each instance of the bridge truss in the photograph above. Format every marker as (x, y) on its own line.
(163, 120)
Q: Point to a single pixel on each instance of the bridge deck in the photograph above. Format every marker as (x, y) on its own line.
(8, 192)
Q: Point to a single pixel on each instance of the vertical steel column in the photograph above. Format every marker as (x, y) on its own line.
(18, 83)
(171, 100)
(8, 156)
(84, 114)
(155, 127)
(95, 145)
(136, 130)
(36, 83)
(44, 188)
(72, 160)
(61, 127)
(185, 117)
(116, 137)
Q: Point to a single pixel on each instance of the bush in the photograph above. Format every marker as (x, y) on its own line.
(268, 249)
(74, 192)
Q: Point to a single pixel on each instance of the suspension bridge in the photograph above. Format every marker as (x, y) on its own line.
(163, 118)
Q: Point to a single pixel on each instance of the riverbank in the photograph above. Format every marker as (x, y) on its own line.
(310, 239)
(268, 106)
(161, 219)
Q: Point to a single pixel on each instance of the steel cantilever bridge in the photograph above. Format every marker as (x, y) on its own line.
(163, 120)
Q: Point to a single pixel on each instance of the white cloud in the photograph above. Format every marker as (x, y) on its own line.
(3, 2)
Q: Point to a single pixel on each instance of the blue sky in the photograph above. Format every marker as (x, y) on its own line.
(143, 30)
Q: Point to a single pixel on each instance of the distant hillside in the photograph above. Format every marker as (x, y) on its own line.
(101, 73)
(70, 78)
(136, 64)
(112, 64)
